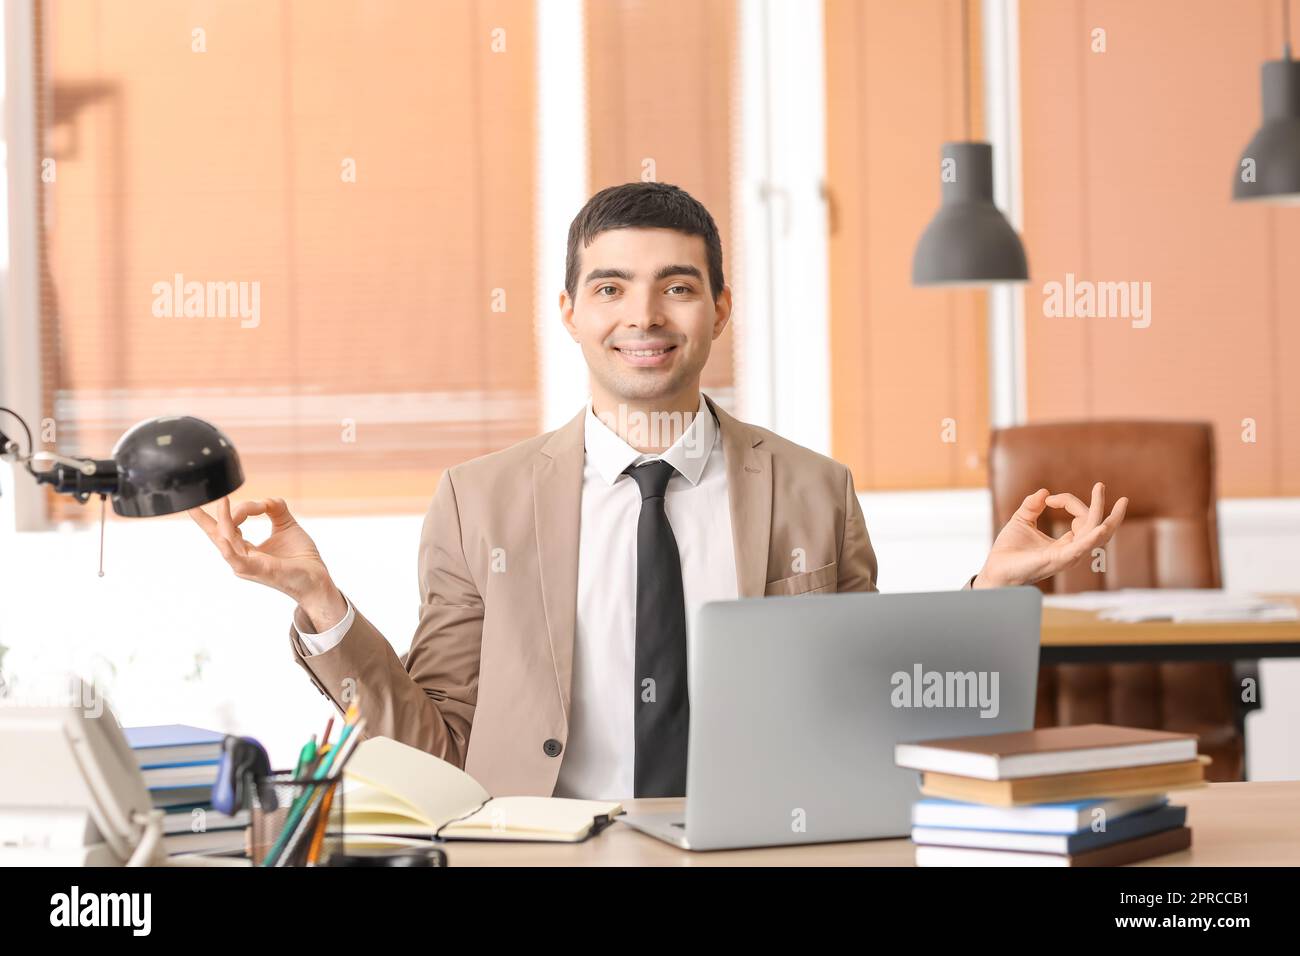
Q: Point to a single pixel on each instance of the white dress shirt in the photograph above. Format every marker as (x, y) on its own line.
(599, 758)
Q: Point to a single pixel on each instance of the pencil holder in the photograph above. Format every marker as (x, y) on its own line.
(295, 822)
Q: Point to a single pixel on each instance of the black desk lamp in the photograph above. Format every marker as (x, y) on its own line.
(159, 467)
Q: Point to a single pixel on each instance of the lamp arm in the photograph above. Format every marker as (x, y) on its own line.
(78, 477)
(86, 466)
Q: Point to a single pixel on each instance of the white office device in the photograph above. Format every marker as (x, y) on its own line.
(797, 704)
(71, 791)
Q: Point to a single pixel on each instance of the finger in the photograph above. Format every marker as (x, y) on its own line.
(1098, 510)
(203, 520)
(1069, 502)
(278, 512)
(1032, 506)
(1116, 517)
(246, 509)
(1076, 550)
(226, 526)
(237, 561)
(1101, 534)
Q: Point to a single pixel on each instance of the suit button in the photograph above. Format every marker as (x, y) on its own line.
(552, 747)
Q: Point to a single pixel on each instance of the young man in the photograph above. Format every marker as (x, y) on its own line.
(557, 576)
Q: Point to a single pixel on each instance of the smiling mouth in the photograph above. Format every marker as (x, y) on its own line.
(644, 353)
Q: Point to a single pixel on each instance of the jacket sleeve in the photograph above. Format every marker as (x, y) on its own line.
(426, 697)
(857, 559)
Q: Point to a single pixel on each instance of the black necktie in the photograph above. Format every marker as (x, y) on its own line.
(662, 707)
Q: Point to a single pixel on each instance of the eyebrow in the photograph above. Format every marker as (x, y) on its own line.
(662, 273)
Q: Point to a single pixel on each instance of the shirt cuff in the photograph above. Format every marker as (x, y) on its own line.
(322, 642)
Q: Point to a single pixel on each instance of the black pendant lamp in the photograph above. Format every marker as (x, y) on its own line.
(1269, 169)
(159, 467)
(968, 242)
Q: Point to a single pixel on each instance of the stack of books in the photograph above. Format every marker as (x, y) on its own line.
(179, 764)
(1091, 795)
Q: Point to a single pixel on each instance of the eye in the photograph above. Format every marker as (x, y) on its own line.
(685, 288)
(602, 288)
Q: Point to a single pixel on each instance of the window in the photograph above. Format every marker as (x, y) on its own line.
(1128, 162)
(909, 366)
(660, 88)
(343, 193)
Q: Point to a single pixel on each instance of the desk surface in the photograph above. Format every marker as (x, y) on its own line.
(1066, 626)
(1233, 824)
(1081, 636)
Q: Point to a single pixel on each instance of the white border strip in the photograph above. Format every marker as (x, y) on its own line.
(782, 294)
(1001, 46)
(22, 503)
(562, 189)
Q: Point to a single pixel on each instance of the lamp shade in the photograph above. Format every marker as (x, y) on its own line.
(1269, 169)
(171, 464)
(969, 241)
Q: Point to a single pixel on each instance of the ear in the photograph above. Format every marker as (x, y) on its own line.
(566, 315)
(722, 311)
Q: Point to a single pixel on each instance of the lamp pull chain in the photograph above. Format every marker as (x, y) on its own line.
(103, 516)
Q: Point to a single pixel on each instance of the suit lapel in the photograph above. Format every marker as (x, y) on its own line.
(557, 513)
(749, 489)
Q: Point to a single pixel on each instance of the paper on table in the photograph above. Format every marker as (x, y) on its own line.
(1189, 605)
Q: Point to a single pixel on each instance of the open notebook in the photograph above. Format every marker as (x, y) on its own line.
(394, 790)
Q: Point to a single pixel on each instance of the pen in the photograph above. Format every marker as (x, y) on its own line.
(347, 744)
(306, 757)
(299, 805)
(313, 854)
(320, 755)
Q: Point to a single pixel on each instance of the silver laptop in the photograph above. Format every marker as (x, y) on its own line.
(797, 704)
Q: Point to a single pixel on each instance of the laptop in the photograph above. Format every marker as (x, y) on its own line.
(797, 704)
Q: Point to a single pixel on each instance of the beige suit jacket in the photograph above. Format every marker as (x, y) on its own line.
(486, 683)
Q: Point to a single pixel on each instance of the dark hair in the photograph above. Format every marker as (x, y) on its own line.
(645, 206)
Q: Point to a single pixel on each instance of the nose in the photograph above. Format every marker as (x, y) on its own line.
(641, 310)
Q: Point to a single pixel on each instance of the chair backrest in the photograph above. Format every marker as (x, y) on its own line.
(1170, 536)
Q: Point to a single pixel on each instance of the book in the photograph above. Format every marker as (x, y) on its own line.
(209, 841)
(183, 820)
(183, 775)
(391, 789)
(1068, 817)
(1047, 751)
(170, 798)
(1122, 782)
(166, 745)
(1118, 854)
(1117, 831)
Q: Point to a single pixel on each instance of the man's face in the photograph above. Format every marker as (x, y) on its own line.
(644, 314)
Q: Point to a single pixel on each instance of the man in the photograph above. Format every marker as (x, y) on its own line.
(557, 577)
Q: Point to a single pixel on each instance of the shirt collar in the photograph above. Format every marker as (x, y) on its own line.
(688, 454)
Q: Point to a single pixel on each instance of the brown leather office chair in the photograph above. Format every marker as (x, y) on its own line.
(1169, 539)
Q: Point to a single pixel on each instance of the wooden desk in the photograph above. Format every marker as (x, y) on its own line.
(1233, 824)
(1079, 637)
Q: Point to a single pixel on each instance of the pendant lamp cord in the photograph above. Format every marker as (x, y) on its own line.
(965, 60)
(1286, 29)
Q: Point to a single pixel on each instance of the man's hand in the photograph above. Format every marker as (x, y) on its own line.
(287, 561)
(1022, 554)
